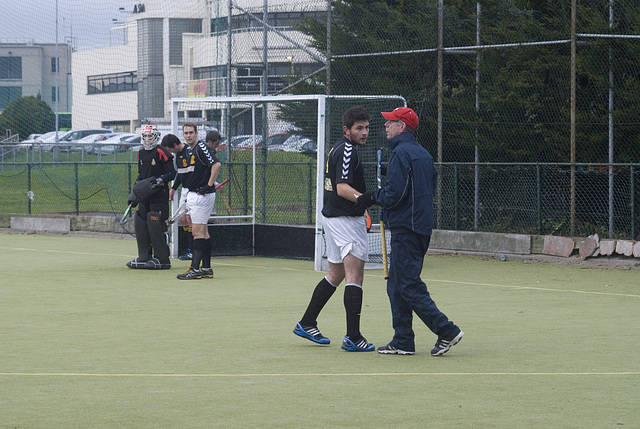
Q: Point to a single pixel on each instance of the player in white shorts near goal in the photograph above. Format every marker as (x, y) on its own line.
(345, 233)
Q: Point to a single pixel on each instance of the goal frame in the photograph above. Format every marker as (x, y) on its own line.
(321, 101)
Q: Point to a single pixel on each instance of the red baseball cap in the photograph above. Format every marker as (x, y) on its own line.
(404, 114)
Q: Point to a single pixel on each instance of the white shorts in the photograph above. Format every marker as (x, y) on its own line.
(200, 207)
(183, 196)
(344, 235)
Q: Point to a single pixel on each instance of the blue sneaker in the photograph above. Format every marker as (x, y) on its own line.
(187, 256)
(310, 333)
(359, 346)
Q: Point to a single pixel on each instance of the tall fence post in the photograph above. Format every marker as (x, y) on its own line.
(456, 179)
(632, 202)
(310, 170)
(246, 194)
(539, 198)
(129, 178)
(77, 190)
(29, 192)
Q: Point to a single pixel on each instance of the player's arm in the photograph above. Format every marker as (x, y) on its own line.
(215, 171)
(210, 186)
(347, 192)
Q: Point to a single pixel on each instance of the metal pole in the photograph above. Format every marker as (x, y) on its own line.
(229, 54)
(611, 81)
(476, 196)
(57, 76)
(440, 83)
(77, 189)
(632, 201)
(572, 137)
(265, 116)
(328, 83)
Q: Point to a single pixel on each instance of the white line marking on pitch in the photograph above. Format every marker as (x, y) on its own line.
(378, 374)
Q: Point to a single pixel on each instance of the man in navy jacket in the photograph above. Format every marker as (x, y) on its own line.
(407, 203)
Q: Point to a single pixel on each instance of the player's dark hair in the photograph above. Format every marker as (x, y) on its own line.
(353, 115)
(213, 136)
(170, 140)
(190, 124)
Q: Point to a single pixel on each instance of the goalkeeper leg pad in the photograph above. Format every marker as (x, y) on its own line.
(156, 228)
(142, 238)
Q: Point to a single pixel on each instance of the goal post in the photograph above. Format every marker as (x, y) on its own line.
(262, 189)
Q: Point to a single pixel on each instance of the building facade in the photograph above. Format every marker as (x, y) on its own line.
(30, 69)
(184, 49)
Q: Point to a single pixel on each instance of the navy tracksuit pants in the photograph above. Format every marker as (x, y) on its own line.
(408, 293)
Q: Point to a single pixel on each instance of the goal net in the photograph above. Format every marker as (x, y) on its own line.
(275, 156)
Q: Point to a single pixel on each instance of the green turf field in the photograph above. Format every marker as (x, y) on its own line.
(87, 343)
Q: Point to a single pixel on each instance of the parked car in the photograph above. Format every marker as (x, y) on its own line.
(309, 148)
(86, 143)
(74, 135)
(242, 141)
(133, 143)
(48, 141)
(274, 142)
(31, 139)
(114, 143)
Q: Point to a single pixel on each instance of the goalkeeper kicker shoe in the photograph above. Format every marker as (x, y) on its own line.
(137, 264)
(444, 344)
(190, 274)
(155, 264)
(310, 333)
(357, 346)
(206, 273)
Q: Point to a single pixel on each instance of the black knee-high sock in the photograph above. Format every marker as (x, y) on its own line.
(353, 307)
(189, 238)
(321, 294)
(198, 247)
(206, 254)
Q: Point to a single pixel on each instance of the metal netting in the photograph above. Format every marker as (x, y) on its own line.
(493, 81)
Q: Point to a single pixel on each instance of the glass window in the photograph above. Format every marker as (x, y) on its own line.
(10, 67)
(115, 82)
(8, 94)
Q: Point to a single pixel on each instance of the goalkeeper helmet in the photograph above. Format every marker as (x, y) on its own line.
(150, 137)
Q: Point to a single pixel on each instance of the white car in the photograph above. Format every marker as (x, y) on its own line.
(115, 143)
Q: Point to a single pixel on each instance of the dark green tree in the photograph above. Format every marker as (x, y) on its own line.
(28, 115)
(524, 91)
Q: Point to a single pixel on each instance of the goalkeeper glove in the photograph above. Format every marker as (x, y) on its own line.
(159, 183)
(133, 200)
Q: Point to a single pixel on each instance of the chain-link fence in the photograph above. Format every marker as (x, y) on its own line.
(529, 107)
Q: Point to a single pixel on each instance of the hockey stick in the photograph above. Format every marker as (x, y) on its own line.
(224, 198)
(383, 237)
(124, 219)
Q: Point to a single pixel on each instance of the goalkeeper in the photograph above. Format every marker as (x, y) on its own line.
(151, 193)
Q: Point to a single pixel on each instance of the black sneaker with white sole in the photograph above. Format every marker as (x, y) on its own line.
(390, 350)
(444, 344)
